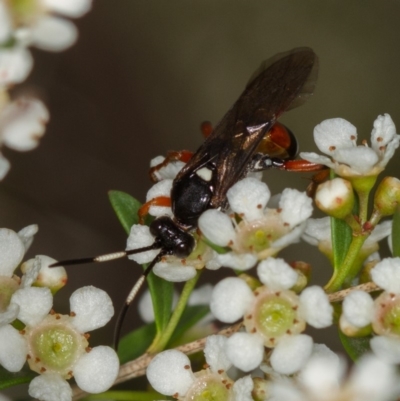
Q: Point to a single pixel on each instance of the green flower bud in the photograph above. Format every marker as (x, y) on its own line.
(387, 196)
(335, 198)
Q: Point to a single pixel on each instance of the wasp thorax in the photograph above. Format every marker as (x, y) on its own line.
(171, 237)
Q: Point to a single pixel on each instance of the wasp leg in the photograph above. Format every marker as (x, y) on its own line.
(158, 201)
(261, 161)
(206, 128)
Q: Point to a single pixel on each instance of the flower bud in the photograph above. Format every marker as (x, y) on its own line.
(53, 278)
(352, 331)
(335, 198)
(260, 390)
(387, 196)
(303, 270)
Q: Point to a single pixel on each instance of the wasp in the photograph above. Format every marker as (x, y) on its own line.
(247, 139)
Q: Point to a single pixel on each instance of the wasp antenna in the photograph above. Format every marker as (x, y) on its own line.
(106, 257)
(131, 296)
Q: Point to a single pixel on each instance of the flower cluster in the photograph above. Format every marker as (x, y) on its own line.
(246, 233)
(23, 24)
(274, 316)
(54, 345)
(170, 373)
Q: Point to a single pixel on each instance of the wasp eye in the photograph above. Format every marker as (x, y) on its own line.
(184, 248)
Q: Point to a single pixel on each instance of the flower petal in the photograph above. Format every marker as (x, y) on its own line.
(70, 8)
(23, 123)
(92, 307)
(27, 234)
(167, 172)
(15, 65)
(276, 274)
(216, 227)
(231, 299)
(242, 389)
(50, 387)
(97, 370)
(13, 349)
(374, 380)
(169, 373)
(334, 133)
(386, 274)
(318, 317)
(9, 315)
(386, 348)
(215, 355)
(296, 206)
(54, 34)
(384, 133)
(245, 350)
(5, 23)
(161, 188)
(317, 159)
(34, 303)
(291, 353)
(239, 261)
(358, 308)
(360, 159)
(249, 197)
(4, 166)
(140, 237)
(175, 271)
(12, 251)
(324, 370)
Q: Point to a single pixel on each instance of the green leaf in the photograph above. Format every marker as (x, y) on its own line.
(341, 239)
(191, 315)
(355, 346)
(162, 292)
(396, 233)
(8, 379)
(126, 208)
(136, 343)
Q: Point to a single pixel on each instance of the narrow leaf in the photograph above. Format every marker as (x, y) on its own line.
(126, 208)
(355, 346)
(341, 239)
(396, 233)
(8, 379)
(162, 292)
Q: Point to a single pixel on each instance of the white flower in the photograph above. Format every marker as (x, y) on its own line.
(22, 124)
(361, 310)
(337, 139)
(15, 65)
(318, 233)
(170, 374)
(323, 379)
(34, 23)
(63, 351)
(262, 231)
(274, 316)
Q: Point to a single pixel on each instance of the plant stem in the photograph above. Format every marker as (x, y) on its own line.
(349, 269)
(161, 341)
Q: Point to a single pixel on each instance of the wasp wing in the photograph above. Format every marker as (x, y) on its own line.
(282, 82)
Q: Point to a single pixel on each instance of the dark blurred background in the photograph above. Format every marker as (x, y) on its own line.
(140, 80)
